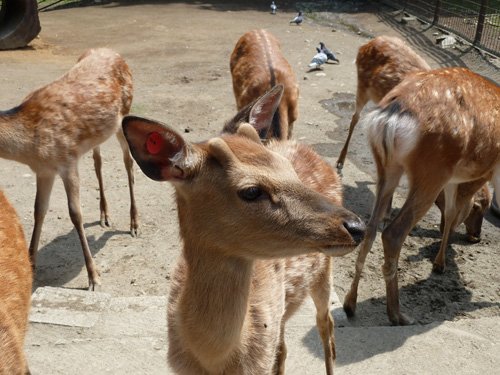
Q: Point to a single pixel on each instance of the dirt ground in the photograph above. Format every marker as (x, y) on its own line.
(179, 55)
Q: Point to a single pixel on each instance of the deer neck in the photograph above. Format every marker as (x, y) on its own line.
(15, 143)
(214, 304)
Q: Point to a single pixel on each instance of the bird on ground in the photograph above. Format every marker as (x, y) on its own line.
(298, 19)
(319, 59)
(328, 53)
(273, 8)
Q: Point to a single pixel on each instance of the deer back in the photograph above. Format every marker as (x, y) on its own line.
(257, 64)
(447, 117)
(70, 115)
(382, 63)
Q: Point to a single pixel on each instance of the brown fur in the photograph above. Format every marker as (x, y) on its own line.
(232, 291)
(15, 291)
(477, 208)
(382, 63)
(58, 123)
(257, 64)
(441, 128)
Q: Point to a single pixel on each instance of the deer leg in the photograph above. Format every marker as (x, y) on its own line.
(71, 182)
(129, 166)
(387, 215)
(282, 352)
(416, 205)
(386, 184)
(324, 320)
(496, 190)
(293, 113)
(449, 221)
(43, 190)
(361, 101)
(102, 198)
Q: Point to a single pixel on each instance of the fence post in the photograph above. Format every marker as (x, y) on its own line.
(437, 10)
(480, 22)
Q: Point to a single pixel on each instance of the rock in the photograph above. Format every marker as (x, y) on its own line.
(446, 41)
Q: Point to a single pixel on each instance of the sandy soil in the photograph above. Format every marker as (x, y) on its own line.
(179, 55)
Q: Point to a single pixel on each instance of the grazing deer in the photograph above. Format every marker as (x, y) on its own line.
(15, 291)
(58, 123)
(243, 207)
(257, 64)
(381, 63)
(441, 128)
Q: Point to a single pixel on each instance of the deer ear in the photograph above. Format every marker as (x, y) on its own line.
(262, 112)
(159, 151)
(259, 114)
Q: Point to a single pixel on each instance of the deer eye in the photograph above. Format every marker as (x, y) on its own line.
(251, 193)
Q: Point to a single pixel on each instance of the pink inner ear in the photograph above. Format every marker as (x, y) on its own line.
(154, 143)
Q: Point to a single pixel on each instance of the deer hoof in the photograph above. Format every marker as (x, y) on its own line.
(94, 282)
(438, 268)
(105, 221)
(473, 239)
(349, 305)
(402, 320)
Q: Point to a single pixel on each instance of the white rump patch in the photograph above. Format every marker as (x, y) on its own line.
(392, 135)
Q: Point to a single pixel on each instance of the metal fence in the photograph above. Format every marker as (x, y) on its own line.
(478, 22)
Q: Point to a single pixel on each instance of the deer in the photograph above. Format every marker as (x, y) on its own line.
(257, 64)
(58, 123)
(259, 225)
(382, 63)
(15, 291)
(473, 212)
(441, 128)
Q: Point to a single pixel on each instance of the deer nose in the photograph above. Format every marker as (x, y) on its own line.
(356, 229)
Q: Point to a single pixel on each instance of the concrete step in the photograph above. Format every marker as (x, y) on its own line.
(77, 332)
(80, 332)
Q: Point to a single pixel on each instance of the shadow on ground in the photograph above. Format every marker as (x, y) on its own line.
(61, 260)
(430, 301)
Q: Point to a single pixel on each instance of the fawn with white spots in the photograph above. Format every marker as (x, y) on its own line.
(442, 129)
(259, 224)
(57, 124)
(15, 291)
(257, 64)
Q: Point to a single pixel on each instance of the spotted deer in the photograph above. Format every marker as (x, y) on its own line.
(259, 224)
(56, 124)
(15, 291)
(382, 63)
(257, 64)
(441, 128)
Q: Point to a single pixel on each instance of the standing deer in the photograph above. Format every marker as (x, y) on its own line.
(243, 207)
(472, 212)
(15, 291)
(382, 63)
(58, 123)
(441, 128)
(257, 64)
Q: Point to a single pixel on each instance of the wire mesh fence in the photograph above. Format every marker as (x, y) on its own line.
(478, 22)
